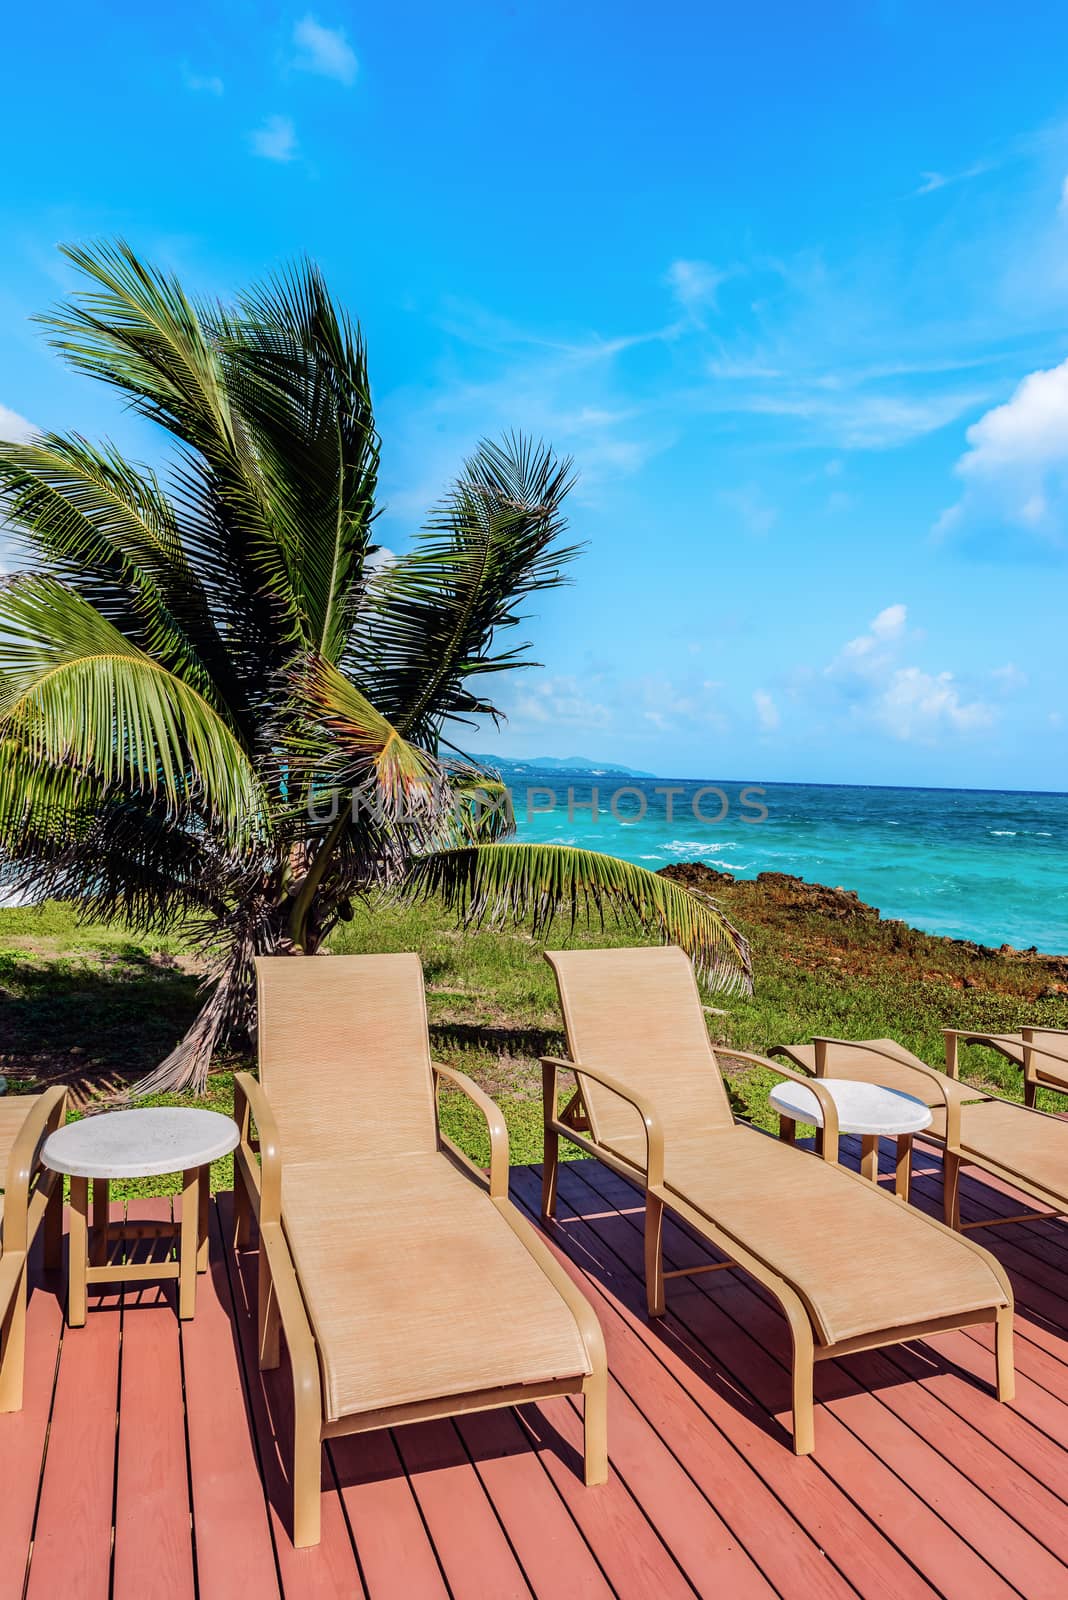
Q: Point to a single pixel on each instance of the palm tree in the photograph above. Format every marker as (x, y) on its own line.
(221, 707)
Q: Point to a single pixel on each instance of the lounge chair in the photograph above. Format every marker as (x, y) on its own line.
(32, 1196)
(1044, 1067)
(406, 1283)
(1025, 1148)
(851, 1267)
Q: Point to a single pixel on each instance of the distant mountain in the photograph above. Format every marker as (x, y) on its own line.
(577, 764)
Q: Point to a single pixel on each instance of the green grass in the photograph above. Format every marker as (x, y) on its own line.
(98, 1006)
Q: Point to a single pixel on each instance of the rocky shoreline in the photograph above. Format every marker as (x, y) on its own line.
(847, 922)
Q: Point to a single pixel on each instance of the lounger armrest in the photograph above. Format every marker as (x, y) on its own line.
(498, 1131)
(828, 1108)
(654, 1131)
(43, 1117)
(950, 1103)
(251, 1105)
(300, 1341)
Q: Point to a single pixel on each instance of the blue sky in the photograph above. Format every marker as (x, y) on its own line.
(790, 283)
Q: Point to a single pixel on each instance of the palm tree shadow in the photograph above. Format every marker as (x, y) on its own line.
(92, 1025)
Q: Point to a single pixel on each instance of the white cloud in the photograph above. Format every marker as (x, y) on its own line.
(276, 140)
(325, 51)
(13, 428)
(766, 709)
(1015, 469)
(198, 83)
(560, 701)
(916, 705)
(933, 181)
(902, 699)
(695, 285)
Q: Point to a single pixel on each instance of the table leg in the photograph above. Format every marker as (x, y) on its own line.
(204, 1188)
(79, 1251)
(101, 1204)
(187, 1244)
(787, 1129)
(869, 1156)
(903, 1171)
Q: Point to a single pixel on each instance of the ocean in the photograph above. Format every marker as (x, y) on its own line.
(985, 865)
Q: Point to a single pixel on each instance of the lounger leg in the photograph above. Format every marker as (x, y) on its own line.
(951, 1189)
(1030, 1089)
(803, 1378)
(1006, 1365)
(307, 1471)
(242, 1214)
(268, 1322)
(13, 1348)
(654, 1256)
(53, 1228)
(550, 1165)
(595, 1426)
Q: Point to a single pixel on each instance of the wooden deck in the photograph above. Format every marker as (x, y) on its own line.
(145, 1462)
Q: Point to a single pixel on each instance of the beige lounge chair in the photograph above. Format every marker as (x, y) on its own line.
(851, 1267)
(1043, 1067)
(32, 1196)
(406, 1283)
(1025, 1148)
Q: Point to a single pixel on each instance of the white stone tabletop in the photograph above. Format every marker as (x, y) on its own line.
(862, 1107)
(141, 1143)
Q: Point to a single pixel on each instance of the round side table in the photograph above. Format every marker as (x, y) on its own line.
(137, 1144)
(864, 1108)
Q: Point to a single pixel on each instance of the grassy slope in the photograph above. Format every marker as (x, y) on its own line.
(98, 1006)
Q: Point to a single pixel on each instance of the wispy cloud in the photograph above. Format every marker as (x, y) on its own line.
(325, 51)
(755, 512)
(696, 285)
(767, 711)
(933, 181)
(276, 140)
(202, 83)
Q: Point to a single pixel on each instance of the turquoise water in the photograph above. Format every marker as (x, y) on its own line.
(973, 864)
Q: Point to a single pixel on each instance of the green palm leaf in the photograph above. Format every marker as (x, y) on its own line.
(433, 616)
(73, 689)
(539, 881)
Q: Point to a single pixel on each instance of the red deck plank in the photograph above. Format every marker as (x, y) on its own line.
(72, 1543)
(555, 1557)
(474, 1553)
(384, 1517)
(636, 1560)
(223, 1469)
(23, 1434)
(328, 1570)
(153, 1525)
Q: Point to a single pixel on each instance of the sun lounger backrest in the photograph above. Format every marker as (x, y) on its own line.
(636, 1015)
(344, 1054)
(848, 1060)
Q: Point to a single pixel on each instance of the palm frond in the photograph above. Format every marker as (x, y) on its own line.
(75, 690)
(432, 616)
(106, 529)
(493, 882)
